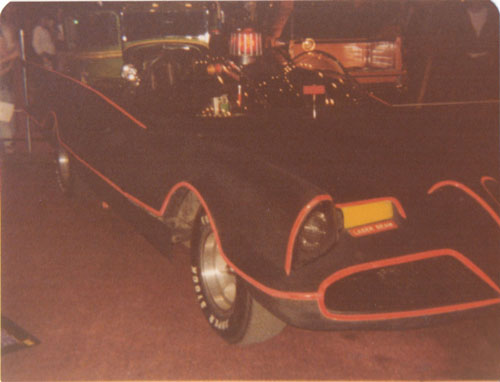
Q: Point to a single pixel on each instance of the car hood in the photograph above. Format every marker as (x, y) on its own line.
(356, 157)
(352, 158)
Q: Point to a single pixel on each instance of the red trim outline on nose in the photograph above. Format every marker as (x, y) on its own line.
(485, 179)
(337, 276)
(297, 225)
(311, 205)
(468, 191)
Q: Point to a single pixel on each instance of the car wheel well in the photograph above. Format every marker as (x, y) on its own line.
(181, 214)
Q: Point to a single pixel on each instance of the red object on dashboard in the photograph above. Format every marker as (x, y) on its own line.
(246, 43)
(313, 89)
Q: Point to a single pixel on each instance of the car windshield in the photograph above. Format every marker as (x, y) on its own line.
(148, 25)
(342, 19)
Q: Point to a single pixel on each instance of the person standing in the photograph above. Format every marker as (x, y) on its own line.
(463, 46)
(9, 52)
(59, 30)
(478, 44)
(43, 43)
(60, 40)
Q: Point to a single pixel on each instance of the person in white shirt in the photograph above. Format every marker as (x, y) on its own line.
(9, 52)
(43, 43)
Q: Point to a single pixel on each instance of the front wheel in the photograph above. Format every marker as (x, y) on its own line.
(226, 303)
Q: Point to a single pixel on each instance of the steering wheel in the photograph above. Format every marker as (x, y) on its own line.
(339, 69)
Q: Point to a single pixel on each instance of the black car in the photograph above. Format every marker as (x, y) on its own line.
(302, 201)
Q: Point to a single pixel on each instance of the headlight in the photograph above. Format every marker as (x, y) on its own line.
(318, 233)
(129, 72)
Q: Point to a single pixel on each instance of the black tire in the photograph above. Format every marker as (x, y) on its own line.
(224, 300)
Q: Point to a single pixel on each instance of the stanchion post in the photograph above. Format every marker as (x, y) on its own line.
(25, 87)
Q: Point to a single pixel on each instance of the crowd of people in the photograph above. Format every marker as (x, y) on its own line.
(9, 53)
(46, 40)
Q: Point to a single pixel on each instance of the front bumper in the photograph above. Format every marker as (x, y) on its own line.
(398, 292)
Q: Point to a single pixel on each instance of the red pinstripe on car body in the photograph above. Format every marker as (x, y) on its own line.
(468, 191)
(319, 294)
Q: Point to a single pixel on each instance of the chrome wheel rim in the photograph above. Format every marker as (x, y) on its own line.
(218, 278)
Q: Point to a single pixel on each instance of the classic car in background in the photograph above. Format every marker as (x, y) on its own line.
(97, 35)
(296, 213)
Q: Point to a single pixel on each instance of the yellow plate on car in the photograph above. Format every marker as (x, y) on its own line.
(357, 215)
